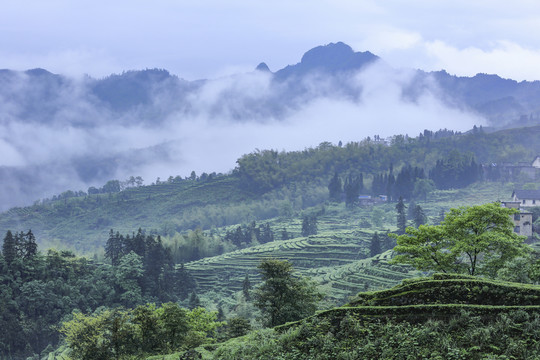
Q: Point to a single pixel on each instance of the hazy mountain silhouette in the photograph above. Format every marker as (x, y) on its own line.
(38, 95)
(62, 132)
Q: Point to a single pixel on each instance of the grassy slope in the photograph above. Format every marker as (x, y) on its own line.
(431, 323)
(83, 224)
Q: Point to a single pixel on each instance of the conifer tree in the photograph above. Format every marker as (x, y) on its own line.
(246, 287)
(30, 245)
(114, 247)
(440, 219)
(352, 188)
(309, 225)
(194, 301)
(335, 188)
(419, 216)
(9, 248)
(375, 247)
(401, 218)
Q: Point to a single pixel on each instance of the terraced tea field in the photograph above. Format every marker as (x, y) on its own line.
(338, 257)
(335, 259)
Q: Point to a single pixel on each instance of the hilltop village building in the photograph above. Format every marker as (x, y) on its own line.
(526, 198)
(522, 219)
(529, 170)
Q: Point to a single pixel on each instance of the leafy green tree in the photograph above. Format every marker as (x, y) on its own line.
(282, 297)
(112, 186)
(238, 326)
(147, 320)
(129, 274)
(425, 248)
(120, 334)
(422, 188)
(84, 336)
(137, 333)
(477, 240)
(174, 325)
(202, 326)
(520, 269)
(534, 271)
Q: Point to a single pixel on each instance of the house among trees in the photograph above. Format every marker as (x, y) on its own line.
(536, 162)
(522, 169)
(368, 200)
(365, 200)
(527, 198)
(522, 220)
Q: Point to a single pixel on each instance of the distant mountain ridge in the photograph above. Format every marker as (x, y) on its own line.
(65, 133)
(38, 95)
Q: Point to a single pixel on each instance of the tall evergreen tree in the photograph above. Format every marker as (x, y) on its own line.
(390, 182)
(352, 188)
(9, 248)
(194, 301)
(184, 283)
(440, 219)
(419, 216)
(114, 247)
(30, 245)
(265, 233)
(335, 188)
(246, 287)
(375, 247)
(309, 225)
(411, 210)
(401, 218)
(138, 244)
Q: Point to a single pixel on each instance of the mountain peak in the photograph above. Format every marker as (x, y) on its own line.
(330, 58)
(325, 53)
(263, 67)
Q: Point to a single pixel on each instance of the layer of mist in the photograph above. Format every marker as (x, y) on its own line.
(59, 133)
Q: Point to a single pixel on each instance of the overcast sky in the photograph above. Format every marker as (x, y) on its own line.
(209, 38)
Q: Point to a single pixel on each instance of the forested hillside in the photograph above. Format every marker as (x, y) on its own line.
(199, 243)
(266, 184)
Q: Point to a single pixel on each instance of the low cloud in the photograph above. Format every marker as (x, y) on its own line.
(504, 58)
(224, 119)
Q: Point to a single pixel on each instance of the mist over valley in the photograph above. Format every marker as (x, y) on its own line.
(61, 132)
